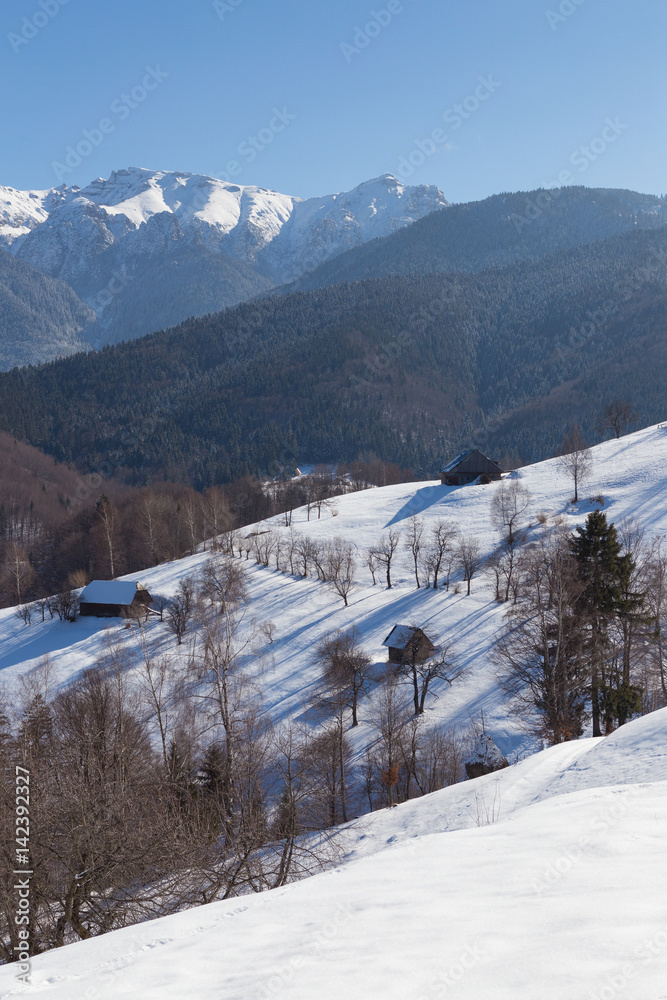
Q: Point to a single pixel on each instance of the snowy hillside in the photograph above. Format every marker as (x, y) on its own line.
(550, 882)
(476, 890)
(630, 474)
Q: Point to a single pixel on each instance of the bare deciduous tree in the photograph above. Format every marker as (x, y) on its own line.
(223, 582)
(181, 609)
(372, 563)
(106, 519)
(420, 670)
(346, 667)
(509, 505)
(385, 551)
(616, 417)
(469, 558)
(340, 567)
(17, 572)
(413, 543)
(216, 515)
(441, 553)
(576, 459)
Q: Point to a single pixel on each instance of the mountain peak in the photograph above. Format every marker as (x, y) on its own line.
(281, 235)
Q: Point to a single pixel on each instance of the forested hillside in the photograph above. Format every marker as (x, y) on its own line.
(409, 368)
(40, 317)
(500, 230)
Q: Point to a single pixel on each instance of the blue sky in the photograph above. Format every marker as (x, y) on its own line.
(323, 106)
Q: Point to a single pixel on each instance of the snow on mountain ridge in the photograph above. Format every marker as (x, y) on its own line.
(23, 211)
(241, 221)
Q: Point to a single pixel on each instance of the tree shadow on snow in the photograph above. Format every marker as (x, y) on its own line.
(424, 498)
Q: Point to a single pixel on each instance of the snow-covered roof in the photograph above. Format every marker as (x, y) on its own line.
(399, 636)
(459, 458)
(109, 592)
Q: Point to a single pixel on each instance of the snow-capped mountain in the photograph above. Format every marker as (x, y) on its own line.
(147, 249)
(22, 211)
(58, 230)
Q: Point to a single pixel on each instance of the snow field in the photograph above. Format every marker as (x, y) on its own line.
(561, 898)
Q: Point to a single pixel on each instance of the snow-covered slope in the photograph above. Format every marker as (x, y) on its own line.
(630, 474)
(552, 886)
(546, 879)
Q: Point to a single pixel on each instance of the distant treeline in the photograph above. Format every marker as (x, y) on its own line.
(59, 530)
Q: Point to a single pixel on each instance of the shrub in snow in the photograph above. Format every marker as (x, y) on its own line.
(485, 758)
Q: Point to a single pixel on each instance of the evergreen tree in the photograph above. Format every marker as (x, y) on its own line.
(606, 573)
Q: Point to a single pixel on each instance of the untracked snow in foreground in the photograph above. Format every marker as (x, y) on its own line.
(550, 884)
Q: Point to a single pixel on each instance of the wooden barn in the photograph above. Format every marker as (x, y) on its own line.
(407, 643)
(112, 598)
(469, 466)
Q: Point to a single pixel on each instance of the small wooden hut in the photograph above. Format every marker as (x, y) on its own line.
(112, 598)
(469, 466)
(408, 644)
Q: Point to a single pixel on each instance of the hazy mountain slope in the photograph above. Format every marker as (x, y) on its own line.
(181, 282)
(40, 318)
(410, 368)
(500, 230)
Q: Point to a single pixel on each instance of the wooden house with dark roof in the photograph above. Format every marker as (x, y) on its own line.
(469, 466)
(408, 644)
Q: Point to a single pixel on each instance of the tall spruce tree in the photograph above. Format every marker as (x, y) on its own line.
(606, 573)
